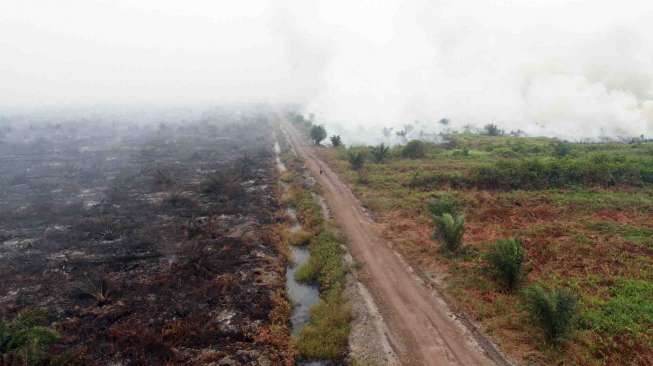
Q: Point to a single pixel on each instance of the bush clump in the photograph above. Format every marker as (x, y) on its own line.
(442, 205)
(506, 259)
(541, 174)
(450, 230)
(356, 160)
(414, 149)
(336, 140)
(26, 338)
(555, 311)
(380, 152)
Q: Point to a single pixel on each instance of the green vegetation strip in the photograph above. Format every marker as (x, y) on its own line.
(326, 337)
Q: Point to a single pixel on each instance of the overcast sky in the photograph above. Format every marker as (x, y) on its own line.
(547, 66)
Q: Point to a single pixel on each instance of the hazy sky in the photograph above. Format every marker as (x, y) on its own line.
(568, 68)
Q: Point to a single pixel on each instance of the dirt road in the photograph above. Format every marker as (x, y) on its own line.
(422, 329)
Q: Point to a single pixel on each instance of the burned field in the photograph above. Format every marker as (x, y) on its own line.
(144, 245)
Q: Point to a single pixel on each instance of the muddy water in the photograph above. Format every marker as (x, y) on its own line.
(303, 296)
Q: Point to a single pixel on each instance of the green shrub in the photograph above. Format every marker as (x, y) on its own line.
(414, 149)
(506, 257)
(561, 149)
(441, 205)
(450, 230)
(27, 337)
(356, 160)
(380, 153)
(555, 311)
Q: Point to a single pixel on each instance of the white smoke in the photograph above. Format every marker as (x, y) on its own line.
(566, 68)
(569, 69)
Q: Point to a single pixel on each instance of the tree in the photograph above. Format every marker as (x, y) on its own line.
(318, 133)
(380, 152)
(493, 130)
(336, 140)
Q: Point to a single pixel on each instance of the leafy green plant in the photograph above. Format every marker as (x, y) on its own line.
(380, 152)
(555, 311)
(27, 337)
(356, 160)
(414, 149)
(506, 257)
(441, 205)
(318, 133)
(561, 149)
(336, 140)
(450, 229)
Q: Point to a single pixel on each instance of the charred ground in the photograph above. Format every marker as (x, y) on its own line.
(145, 245)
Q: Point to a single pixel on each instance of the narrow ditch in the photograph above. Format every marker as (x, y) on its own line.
(302, 296)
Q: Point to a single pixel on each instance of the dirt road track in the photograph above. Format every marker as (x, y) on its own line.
(423, 330)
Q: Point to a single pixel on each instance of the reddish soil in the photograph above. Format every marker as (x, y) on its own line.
(423, 329)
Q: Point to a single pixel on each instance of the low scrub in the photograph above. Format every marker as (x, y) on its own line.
(380, 153)
(414, 149)
(442, 205)
(628, 310)
(541, 173)
(450, 230)
(26, 339)
(356, 160)
(555, 311)
(506, 257)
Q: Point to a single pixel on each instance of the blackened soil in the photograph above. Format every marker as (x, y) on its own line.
(146, 245)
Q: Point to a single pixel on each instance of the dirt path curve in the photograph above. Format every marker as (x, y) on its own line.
(422, 329)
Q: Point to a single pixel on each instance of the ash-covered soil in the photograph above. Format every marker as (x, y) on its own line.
(146, 245)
